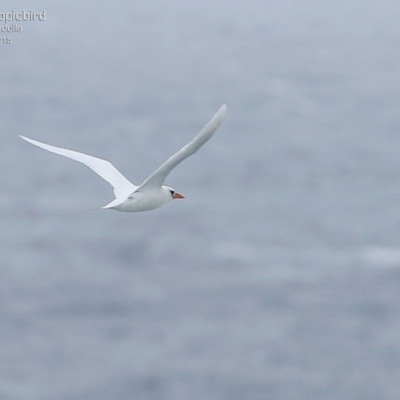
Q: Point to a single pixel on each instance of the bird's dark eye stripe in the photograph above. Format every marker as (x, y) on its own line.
(172, 192)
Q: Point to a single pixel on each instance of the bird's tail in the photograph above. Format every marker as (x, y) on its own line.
(114, 203)
(81, 211)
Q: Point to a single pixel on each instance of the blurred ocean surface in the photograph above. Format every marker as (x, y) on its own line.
(279, 275)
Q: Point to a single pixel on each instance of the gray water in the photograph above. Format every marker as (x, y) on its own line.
(279, 275)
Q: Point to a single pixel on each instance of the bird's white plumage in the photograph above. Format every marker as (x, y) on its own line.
(157, 178)
(151, 193)
(122, 187)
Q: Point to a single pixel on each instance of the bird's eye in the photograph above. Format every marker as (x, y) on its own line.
(172, 192)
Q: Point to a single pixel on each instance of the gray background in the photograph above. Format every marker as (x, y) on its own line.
(278, 277)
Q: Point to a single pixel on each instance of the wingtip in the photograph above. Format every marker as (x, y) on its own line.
(25, 138)
(221, 112)
(35, 142)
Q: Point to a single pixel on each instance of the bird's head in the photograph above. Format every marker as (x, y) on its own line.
(173, 194)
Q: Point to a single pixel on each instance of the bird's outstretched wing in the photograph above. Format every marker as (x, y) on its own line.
(122, 186)
(156, 179)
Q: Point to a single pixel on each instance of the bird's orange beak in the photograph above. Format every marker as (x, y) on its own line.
(178, 196)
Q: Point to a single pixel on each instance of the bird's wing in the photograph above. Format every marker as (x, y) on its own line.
(156, 179)
(122, 187)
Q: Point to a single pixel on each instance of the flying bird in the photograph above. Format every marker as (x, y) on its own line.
(151, 193)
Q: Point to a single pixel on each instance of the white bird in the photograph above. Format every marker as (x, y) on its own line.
(151, 193)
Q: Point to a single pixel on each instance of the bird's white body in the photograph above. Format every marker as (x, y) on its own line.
(151, 193)
(145, 200)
